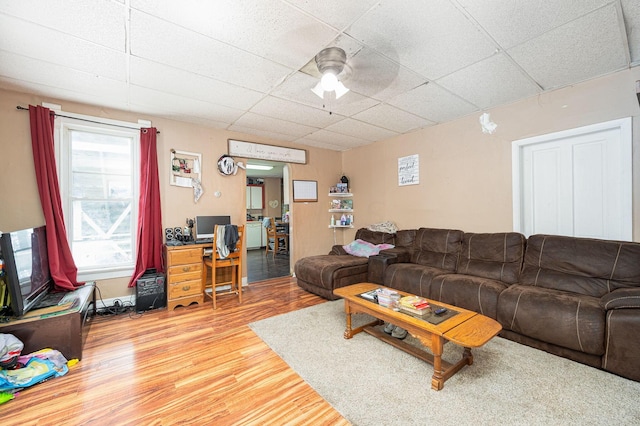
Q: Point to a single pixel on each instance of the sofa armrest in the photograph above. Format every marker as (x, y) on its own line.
(338, 250)
(377, 265)
(622, 298)
(403, 254)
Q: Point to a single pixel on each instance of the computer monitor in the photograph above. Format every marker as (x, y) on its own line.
(206, 224)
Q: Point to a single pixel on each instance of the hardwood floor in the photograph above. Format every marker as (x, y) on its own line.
(193, 366)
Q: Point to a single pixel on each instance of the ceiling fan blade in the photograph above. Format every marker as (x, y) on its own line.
(340, 90)
(318, 90)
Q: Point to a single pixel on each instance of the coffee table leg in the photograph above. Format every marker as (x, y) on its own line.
(437, 380)
(348, 333)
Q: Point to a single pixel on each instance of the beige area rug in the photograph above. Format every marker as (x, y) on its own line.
(373, 383)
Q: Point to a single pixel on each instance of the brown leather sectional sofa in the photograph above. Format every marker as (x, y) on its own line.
(577, 298)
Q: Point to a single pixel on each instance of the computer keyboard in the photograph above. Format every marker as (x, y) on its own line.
(204, 241)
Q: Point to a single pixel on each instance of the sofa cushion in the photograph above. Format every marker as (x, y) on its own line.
(496, 256)
(566, 319)
(437, 248)
(580, 265)
(325, 269)
(477, 294)
(375, 237)
(412, 278)
(405, 237)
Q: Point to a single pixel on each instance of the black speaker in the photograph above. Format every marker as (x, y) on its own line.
(150, 292)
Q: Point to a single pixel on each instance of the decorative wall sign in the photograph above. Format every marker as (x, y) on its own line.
(267, 152)
(305, 190)
(408, 170)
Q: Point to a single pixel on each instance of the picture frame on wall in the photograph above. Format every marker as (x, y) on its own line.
(305, 191)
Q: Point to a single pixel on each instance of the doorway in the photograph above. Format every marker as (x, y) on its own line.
(576, 182)
(266, 178)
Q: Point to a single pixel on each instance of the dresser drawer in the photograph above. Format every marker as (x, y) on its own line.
(184, 272)
(185, 288)
(179, 257)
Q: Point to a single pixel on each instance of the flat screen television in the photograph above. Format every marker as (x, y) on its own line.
(26, 264)
(206, 224)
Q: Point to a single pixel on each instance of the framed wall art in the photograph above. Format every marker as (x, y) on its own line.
(185, 166)
(305, 191)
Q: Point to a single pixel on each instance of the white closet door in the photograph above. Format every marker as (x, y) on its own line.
(575, 183)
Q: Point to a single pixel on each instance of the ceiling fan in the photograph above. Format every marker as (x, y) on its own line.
(332, 64)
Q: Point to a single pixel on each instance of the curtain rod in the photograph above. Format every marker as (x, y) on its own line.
(84, 119)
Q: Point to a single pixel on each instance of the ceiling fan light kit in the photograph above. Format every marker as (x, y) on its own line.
(330, 62)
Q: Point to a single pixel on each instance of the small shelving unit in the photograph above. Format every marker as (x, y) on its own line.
(341, 207)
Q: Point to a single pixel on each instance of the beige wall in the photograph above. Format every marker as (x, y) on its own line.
(465, 175)
(21, 204)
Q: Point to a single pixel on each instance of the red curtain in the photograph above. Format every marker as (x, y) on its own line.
(149, 215)
(63, 269)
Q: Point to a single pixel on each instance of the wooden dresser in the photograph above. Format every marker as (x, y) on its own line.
(184, 275)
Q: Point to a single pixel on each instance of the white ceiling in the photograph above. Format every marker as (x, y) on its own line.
(235, 64)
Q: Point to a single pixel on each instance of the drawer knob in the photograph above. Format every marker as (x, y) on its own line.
(186, 287)
(186, 268)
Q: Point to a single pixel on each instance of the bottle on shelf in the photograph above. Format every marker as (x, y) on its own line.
(343, 220)
(333, 221)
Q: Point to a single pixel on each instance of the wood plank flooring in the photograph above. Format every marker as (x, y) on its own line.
(190, 366)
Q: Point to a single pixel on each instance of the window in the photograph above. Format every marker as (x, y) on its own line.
(98, 172)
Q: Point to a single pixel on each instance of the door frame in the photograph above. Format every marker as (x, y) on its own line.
(623, 125)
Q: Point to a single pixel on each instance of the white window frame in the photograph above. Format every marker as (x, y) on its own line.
(80, 122)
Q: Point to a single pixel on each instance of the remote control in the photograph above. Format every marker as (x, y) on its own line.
(440, 311)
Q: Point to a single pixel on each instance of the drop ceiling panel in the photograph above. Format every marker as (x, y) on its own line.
(267, 28)
(85, 84)
(163, 78)
(631, 10)
(361, 130)
(170, 44)
(378, 77)
(260, 122)
(585, 48)
(423, 35)
(512, 22)
(263, 133)
(392, 118)
(433, 103)
(183, 105)
(490, 82)
(25, 38)
(335, 139)
(103, 22)
(295, 112)
(337, 13)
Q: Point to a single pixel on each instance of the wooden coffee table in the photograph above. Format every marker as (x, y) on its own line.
(460, 326)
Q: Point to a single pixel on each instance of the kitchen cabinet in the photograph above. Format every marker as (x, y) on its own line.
(254, 235)
(255, 197)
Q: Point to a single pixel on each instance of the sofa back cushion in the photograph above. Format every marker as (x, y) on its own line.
(437, 248)
(405, 237)
(581, 265)
(495, 256)
(375, 237)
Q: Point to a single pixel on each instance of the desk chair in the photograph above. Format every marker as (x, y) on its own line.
(233, 261)
(276, 235)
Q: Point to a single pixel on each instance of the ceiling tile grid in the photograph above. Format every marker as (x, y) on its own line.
(248, 65)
